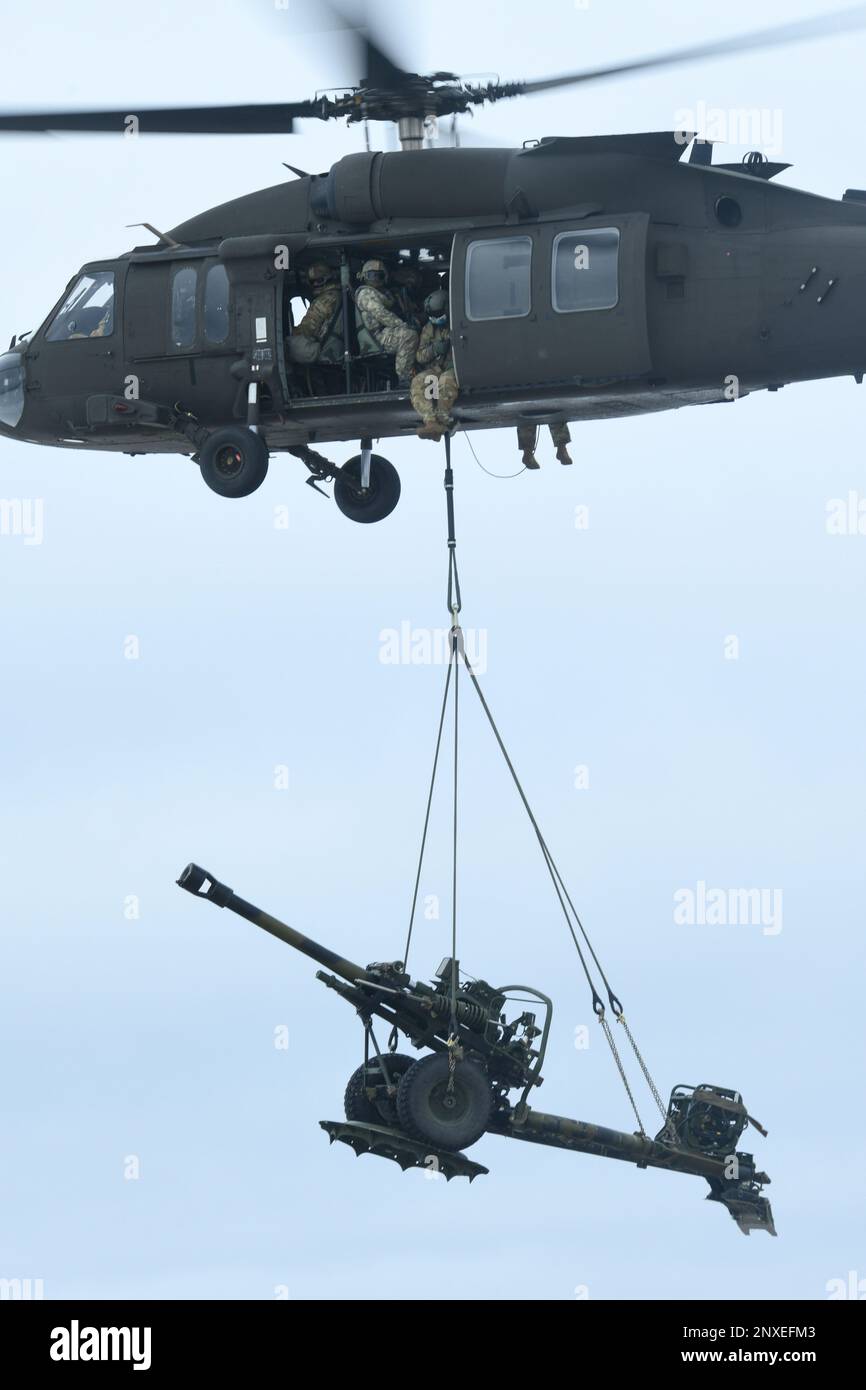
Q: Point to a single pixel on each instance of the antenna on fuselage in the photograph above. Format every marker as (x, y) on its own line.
(161, 236)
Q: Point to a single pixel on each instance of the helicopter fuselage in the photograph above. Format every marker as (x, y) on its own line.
(589, 278)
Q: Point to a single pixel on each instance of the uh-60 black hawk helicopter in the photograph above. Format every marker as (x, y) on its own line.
(589, 277)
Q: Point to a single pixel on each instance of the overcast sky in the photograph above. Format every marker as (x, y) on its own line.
(151, 1037)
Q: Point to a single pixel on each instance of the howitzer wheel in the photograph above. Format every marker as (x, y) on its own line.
(383, 1110)
(449, 1116)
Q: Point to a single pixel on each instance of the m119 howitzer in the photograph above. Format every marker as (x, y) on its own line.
(422, 1112)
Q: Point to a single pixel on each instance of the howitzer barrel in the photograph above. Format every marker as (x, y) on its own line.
(203, 885)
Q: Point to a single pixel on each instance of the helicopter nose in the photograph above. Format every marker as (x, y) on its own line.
(11, 389)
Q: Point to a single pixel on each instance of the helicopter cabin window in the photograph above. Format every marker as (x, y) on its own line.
(498, 272)
(183, 295)
(88, 311)
(586, 270)
(216, 305)
(11, 389)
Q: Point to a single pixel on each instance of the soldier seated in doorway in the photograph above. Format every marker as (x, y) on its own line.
(434, 385)
(379, 312)
(318, 337)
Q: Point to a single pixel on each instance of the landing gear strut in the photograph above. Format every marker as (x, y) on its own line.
(366, 488)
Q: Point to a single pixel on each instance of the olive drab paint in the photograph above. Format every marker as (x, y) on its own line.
(475, 1049)
(723, 283)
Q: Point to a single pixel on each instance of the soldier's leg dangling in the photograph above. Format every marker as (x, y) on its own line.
(526, 443)
(561, 436)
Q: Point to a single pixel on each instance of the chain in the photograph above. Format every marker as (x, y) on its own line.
(616, 1057)
(620, 1018)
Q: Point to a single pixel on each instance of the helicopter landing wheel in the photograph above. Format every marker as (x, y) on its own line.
(451, 1118)
(234, 461)
(381, 1109)
(374, 502)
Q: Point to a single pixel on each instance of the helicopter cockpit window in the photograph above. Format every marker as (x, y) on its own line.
(183, 295)
(586, 270)
(498, 278)
(88, 311)
(216, 305)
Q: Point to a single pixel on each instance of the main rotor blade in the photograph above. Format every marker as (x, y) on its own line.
(840, 22)
(376, 66)
(272, 119)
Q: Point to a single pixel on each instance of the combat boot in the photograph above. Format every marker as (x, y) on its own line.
(431, 429)
(529, 459)
(563, 455)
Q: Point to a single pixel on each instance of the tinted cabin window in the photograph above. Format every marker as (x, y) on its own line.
(216, 305)
(88, 311)
(728, 211)
(586, 270)
(183, 288)
(498, 275)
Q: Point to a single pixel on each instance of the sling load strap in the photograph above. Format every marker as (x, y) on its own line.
(564, 897)
(454, 606)
(454, 601)
(454, 966)
(427, 814)
(458, 650)
(556, 878)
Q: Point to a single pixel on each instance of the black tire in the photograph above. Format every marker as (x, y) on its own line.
(428, 1111)
(381, 496)
(383, 1110)
(234, 461)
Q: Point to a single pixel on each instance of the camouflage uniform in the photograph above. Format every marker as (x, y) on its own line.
(377, 311)
(308, 339)
(434, 386)
(559, 434)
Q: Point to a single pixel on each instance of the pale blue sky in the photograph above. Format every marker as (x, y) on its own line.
(260, 647)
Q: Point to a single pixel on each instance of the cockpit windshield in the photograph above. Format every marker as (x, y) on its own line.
(87, 311)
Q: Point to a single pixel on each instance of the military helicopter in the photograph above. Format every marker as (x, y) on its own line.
(583, 272)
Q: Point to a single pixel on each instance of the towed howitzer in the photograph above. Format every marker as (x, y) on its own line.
(423, 1112)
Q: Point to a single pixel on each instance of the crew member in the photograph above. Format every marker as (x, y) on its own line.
(379, 313)
(434, 385)
(314, 339)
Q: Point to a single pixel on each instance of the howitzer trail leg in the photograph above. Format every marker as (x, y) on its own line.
(408, 1153)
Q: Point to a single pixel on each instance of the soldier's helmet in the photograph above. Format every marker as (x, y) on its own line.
(319, 274)
(436, 307)
(374, 273)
